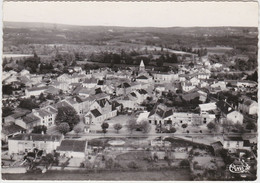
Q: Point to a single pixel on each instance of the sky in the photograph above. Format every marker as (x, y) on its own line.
(135, 14)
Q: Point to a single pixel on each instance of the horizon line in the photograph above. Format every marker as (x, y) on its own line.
(198, 26)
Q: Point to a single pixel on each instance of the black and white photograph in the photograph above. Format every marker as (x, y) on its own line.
(129, 91)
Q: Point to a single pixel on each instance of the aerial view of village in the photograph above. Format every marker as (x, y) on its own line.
(151, 103)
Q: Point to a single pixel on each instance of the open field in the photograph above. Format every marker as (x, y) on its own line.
(183, 174)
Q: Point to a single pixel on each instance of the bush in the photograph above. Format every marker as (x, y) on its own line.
(196, 154)
(185, 162)
(172, 130)
(132, 165)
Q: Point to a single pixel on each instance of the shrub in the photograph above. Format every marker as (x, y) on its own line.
(132, 165)
(185, 162)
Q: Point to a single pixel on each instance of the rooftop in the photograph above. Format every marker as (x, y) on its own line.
(10, 129)
(96, 113)
(233, 138)
(72, 145)
(30, 118)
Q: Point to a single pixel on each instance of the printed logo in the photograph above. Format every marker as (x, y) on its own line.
(239, 166)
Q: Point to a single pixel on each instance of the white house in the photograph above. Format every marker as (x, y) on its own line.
(187, 86)
(47, 115)
(233, 142)
(246, 83)
(101, 110)
(22, 143)
(36, 91)
(248, 106)
(24, 72)
(235, 117)
(219, 84)
(90, 83)
(204, 108)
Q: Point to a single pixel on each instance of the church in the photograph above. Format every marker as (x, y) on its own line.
(143, 76)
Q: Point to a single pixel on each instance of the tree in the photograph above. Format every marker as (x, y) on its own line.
(64, 128)
(104, 127)
(184, 126)
(6, 111)
(250, 126)
(39, 129)
(117, 127)
(28, 104)
(131, 125)
(145, 126)
(48, 159)
(240, 128)
(42, 98)
(68, 115)
(172, 130)
(132, 165)
(185, 163)
(211, 126)
(77, 129)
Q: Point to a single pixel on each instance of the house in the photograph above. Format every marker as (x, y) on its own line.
(77, 69)
(127, 103)
(46, 115)
(79, 103)
(64, 86)
(138, 96)
(89, 83)
(35, 91)
(26, 81)
(10, 131)
(248, 106)
(143, 79)
(22, 143)
(69, 78)
(246, 83)
(235, 117)
(195, 81)
(73, 148)
(187, 86)
(24, 72)
(164, 77)
(28, 122)
(36, 79)
(204, 108)
(233, 142)
(16, 116)
(123, 89)
(163, 115)
(219, 84)
(142, 117)
(101, 110)
(52, 90)
(85, 92)
(63, 78)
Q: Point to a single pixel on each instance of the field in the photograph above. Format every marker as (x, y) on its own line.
(183, 174)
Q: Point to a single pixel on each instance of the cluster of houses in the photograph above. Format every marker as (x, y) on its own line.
(101, 94)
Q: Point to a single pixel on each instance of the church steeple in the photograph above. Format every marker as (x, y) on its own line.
(142, 66)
